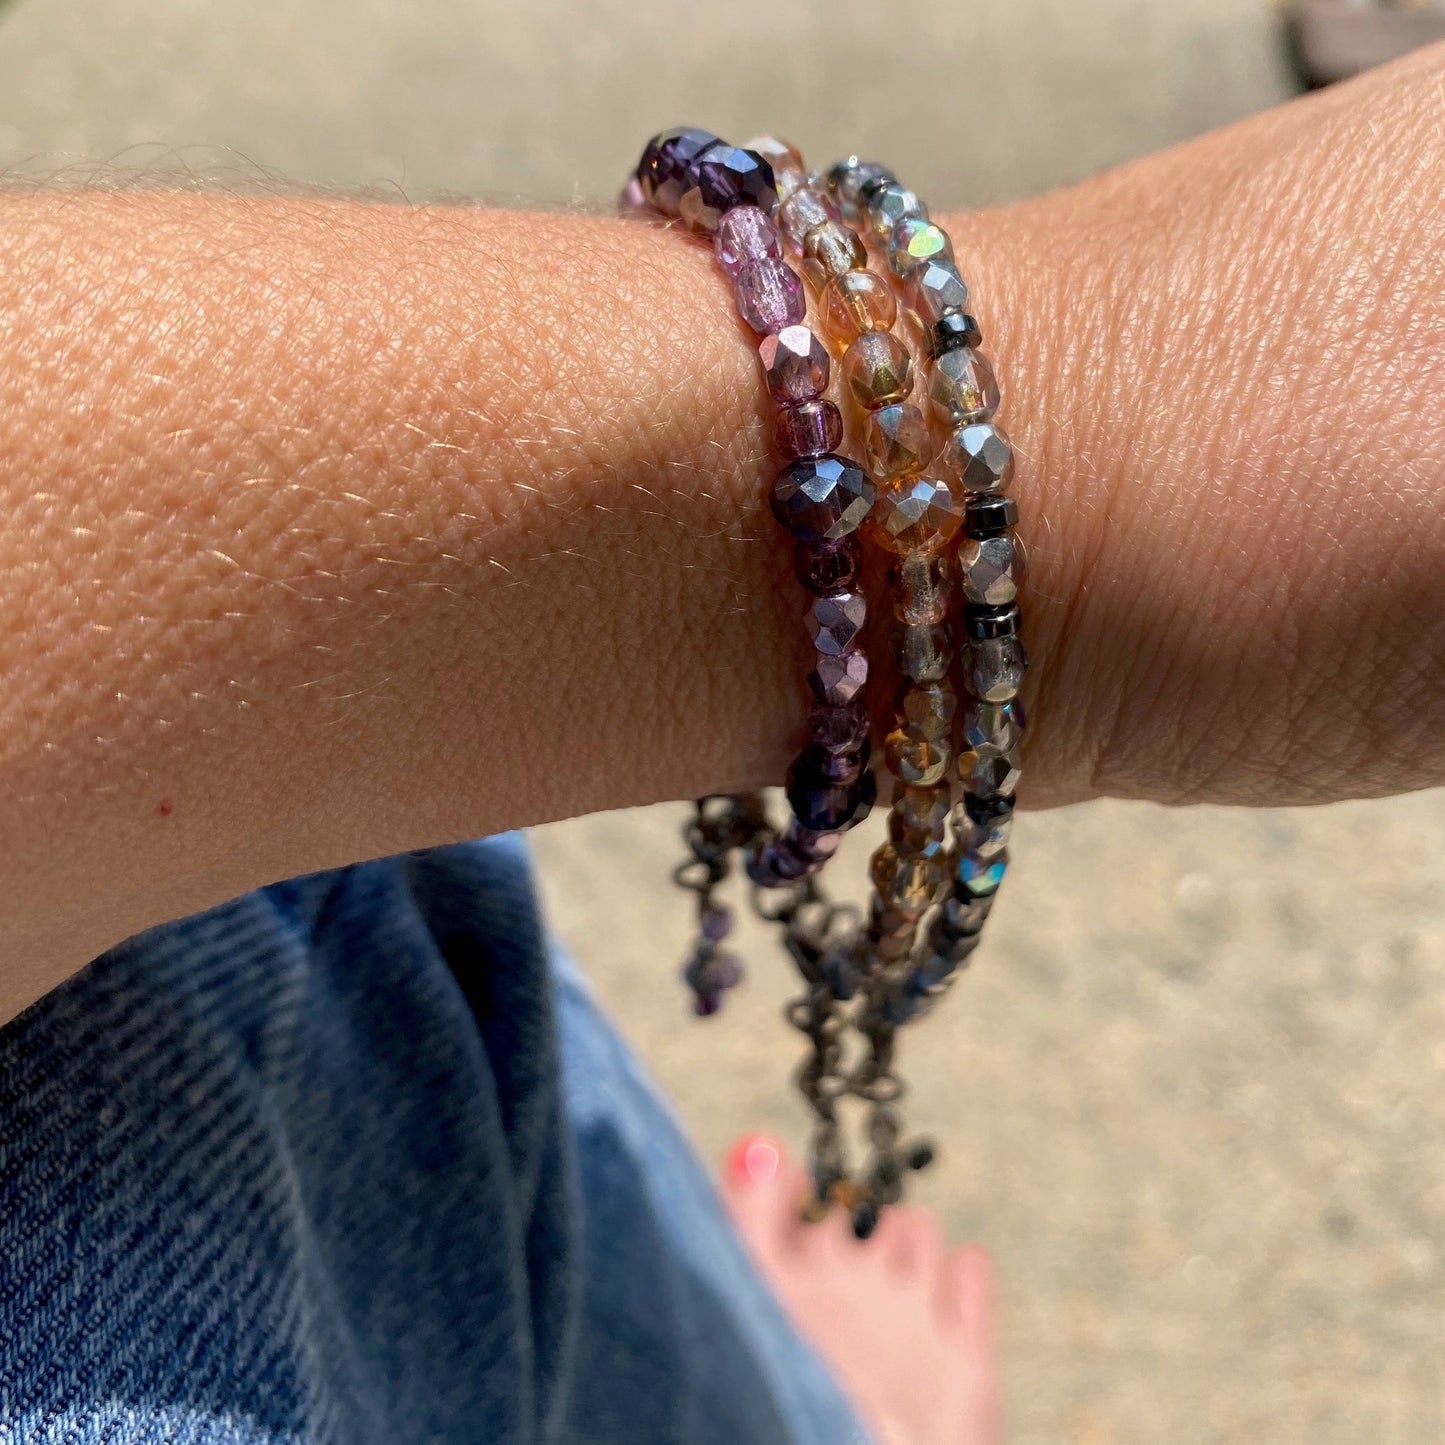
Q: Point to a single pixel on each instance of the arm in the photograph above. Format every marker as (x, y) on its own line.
(333, 529)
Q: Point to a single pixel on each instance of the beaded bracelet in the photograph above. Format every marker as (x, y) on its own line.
(728, 192)
(820, 497)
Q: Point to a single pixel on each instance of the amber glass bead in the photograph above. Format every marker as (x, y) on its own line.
(927, 711)
(914, 760)
(914, 514)
(917, 818)
(832, 249)
(857, 302)
(878, 370)
(897, 440)
(963, 388)
(921, 584)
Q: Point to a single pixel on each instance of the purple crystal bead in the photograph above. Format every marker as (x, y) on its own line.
(822, 498)
(633, 198)
(769, 295)
(722, 177)
(828, 567)
(837, 729)
(665, 170)
(746, 234)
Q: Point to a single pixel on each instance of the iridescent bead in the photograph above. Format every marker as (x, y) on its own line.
(878, 370)
(795, 365)
(855, 302)
(891, 204)
(988, 763)
(769, 295)
(916, 760)
(897, 440)
(837, 728)
(923, 652)
(838, 680)
(825, 568)
(990, 569)
(665, 168)
(985, 839)
(909, 884)
(725, 176)
(778, 153)
(920, 584)
(803, 210)
(809, 430)
(962, 387)
(914, 514)
(835, 622)
(980, 877)
(832, 249)
(980, 456)
(936, 288)
(994, 667)
(746, 234)
(821, 497)
(927, 712)
(847, 179)
(915, 241)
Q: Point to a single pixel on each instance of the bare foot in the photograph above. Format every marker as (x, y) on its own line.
(903, 1320)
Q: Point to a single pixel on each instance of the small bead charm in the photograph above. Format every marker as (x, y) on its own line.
(822, 497)
(962, 388)
(855, 302)
(769, 295)
(980, 456)
(897, 440)
(878, 370)
(914, 514)
(795, 365)
(810, 429)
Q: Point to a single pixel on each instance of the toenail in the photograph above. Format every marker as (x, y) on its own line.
(754, 1160)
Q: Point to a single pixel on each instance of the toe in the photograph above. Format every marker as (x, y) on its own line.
(912, 1240)
(763, 1190)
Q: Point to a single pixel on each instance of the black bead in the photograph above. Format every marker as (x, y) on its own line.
(865, 1219)
(921, 1155)
(987, 811)
(952, 330)
(982, 624)
(988, 516)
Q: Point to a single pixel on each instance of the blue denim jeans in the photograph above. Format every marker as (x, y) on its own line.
(353, 1159)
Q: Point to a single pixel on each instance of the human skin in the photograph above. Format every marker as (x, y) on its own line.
(332, 529)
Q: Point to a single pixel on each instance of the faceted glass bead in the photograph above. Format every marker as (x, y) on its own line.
(927, 712)
(918, 816)
(837, 729)
(980, 456)
(725, 176)
(915, 241)
(923, 652)
(915, 760)
(894, 203)
(827, 807)
(995, 668)
(878, 370)
(838, 680)
(769, 295)
(795, 365)
(990, 569)
(985, 840)
(821, 497)
(897, 440)
(778, 153)
(920, 584)
(810, 429)
(834, 250)
(855, 302)
(633, 198)
(914, 514)
(962, 387)
(790, 179)
(745, 234)
(909, 885)
(665, 168)
(847, 179)
(835, 623)
(935, 287)
(803, 210)
(825, 568)
(981, 877)
(988, 764)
